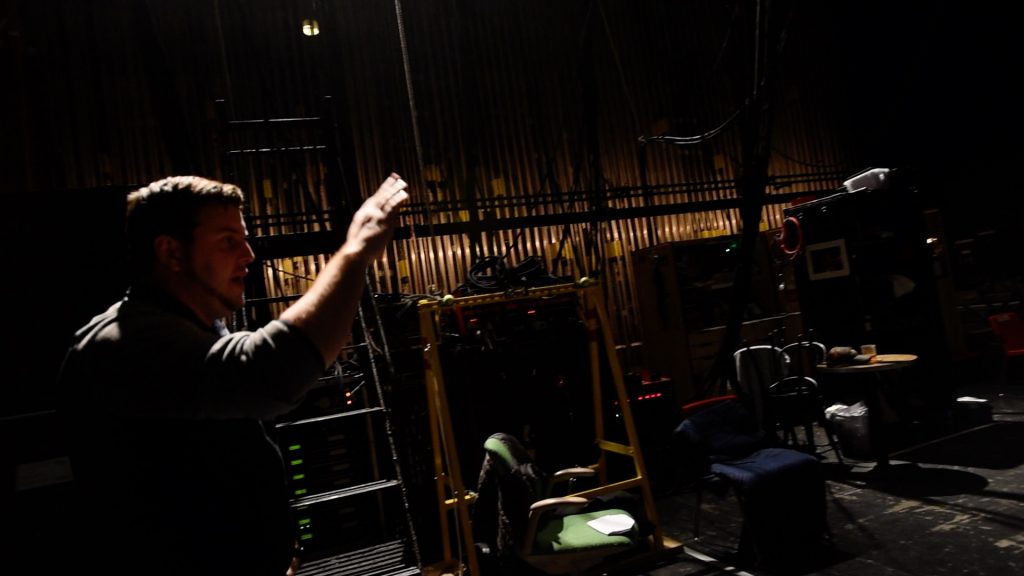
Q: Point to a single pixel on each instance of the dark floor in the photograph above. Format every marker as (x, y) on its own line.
(951, 504)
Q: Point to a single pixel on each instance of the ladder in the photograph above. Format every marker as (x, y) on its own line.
(454, 499)
(348, 496)
(344, 479)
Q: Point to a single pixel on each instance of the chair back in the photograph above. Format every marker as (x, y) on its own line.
(795, 401)
(804, 357)
(757, 368)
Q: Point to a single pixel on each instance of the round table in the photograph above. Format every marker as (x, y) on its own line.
(881, 367)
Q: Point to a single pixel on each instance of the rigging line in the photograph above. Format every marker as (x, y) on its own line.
(430, 219)
(407, 69)
(618, 66)
(224, 58)
(576, 157)
(758, 24)
(414, 113)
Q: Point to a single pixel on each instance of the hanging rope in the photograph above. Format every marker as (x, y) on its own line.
(430, 225)
(414, 114)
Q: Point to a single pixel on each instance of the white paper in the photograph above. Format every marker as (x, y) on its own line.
(612, 524)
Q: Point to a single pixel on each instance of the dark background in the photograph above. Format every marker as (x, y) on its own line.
(101, 97)
(104, 96)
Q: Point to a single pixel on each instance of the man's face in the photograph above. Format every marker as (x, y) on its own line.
(216, 264)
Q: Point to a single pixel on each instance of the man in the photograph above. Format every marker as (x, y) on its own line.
(164, 407)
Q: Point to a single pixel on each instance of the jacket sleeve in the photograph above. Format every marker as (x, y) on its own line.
(263, 373)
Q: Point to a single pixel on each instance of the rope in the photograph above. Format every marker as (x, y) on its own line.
(414, 114)
(430, 226)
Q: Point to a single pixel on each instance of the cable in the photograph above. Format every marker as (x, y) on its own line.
(687, 140)
(496, 281)
(492, 274)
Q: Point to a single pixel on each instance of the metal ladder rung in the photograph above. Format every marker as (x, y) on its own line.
(386, 559)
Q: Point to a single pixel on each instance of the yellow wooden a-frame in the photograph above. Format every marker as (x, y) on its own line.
(452, 496)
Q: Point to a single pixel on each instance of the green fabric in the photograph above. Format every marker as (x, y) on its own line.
(499, 448)
(571, 533)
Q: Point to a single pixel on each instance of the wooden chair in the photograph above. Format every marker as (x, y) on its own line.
(530, 529)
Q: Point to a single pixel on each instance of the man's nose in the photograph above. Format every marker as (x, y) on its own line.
(249, 254)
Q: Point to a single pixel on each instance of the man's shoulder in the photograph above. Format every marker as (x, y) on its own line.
(98, 324)
(134, 320)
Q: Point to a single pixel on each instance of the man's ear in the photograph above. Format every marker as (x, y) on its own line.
(169, 254)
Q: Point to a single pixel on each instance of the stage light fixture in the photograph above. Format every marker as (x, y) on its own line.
(310, 27)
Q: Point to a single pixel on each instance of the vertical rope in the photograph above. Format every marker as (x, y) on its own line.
(413, 112)
(430, 219)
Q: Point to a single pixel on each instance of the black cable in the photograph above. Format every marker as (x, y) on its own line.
(492, 274)
(497, 280)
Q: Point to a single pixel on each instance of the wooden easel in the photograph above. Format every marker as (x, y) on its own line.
(452, 496)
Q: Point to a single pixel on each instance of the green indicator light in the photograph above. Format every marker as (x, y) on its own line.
(306, 536)
(298, 477)
(300, 491)
(296, 462)
(303, 521)
(294, 447)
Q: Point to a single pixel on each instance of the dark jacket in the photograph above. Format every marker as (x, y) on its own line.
(172, 467)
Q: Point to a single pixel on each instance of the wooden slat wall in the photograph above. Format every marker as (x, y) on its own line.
(508, 99)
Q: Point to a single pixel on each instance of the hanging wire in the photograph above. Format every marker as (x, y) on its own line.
(700, 137)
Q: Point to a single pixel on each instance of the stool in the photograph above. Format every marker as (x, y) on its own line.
(782, 497)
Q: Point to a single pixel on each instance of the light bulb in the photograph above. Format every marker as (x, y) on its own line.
(310, 27)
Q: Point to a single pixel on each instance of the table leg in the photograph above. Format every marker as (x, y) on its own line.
(877, 433)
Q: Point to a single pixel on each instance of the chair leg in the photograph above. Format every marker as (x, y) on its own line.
(826, 426)
(809, 435)
(696, 513)
(787, 434)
